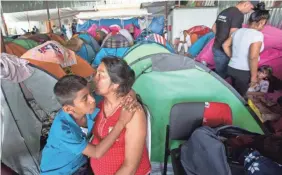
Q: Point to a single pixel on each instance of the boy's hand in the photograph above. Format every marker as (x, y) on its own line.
(130, 101)
(129, 107)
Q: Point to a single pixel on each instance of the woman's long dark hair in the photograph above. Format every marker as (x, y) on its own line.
(120, 73)
(259, 13)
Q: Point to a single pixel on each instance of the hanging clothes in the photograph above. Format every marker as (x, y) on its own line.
(14, 68)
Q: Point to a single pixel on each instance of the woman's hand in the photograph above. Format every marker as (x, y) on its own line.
(253, 84)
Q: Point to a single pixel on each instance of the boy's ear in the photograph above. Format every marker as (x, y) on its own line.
(68, 109)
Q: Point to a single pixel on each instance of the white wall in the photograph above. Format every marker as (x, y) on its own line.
(185, 18)
(14, 28)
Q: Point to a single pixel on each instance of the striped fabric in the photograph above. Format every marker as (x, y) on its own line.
(156, 38)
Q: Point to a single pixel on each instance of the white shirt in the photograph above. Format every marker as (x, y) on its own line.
(241, 42)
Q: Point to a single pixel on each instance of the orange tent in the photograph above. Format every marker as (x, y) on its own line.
(14, 49)
(52, 68)
(57, 38)
(82, 68)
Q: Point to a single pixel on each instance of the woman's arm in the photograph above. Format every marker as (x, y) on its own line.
(227, 47)
(254, 52)
(135, 138)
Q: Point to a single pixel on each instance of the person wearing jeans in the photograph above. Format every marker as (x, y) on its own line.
(221, 62)
(244, 47)
(227, 22)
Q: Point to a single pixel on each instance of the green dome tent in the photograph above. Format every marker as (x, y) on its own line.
(164, 79)
(26, 43)
(141, 50)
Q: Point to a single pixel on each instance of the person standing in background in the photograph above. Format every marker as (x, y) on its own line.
(243, 48)
(227, 22)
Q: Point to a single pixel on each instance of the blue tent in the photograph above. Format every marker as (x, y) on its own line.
(152, 38)
(86, 52)
(196, 48)
(109, 52)
(157, 25)
(90, 40)
(106, 22)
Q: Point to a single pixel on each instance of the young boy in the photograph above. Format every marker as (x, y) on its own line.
(68, 144)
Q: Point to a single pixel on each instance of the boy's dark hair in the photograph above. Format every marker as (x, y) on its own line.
(67, 87)
(267, 69)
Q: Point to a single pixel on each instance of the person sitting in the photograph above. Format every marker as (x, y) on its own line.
(246, 43)
(264, 74)
(67, 146)
(128, 155)
(185, 42)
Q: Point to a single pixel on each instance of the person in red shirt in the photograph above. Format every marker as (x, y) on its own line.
(129, 154)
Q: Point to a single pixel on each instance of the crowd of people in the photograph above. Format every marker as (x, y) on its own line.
(236, 50)
(236, 53)
(116, 142)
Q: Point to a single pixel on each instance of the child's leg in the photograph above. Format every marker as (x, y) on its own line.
(186, 47)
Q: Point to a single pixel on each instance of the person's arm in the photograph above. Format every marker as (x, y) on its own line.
(227, 47)
(254, 52)
(135, 139)
(232, 30)
(214, 28)
(97, 151)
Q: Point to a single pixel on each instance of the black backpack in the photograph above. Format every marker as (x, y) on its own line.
(205, 153)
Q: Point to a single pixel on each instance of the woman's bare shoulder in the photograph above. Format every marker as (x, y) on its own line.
(139, 118)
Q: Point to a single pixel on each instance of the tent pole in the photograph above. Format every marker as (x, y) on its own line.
(48, 14)
(146, 17)
(3, 49)
(166, 16)
(4, 23)
(59, 17)
(28, 21)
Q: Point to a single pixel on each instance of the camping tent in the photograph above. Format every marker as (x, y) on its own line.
(116, 40)
(127, 35)
(40, 38)
(86, 52)
(56, 59)
(164, 79)
(114, 45)
(87, 38)
(81, 48)
(159, 39)
(14, 49)
(57, 38)
(26, 43)
(22, 120)
(143, 35)
(109, 52)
